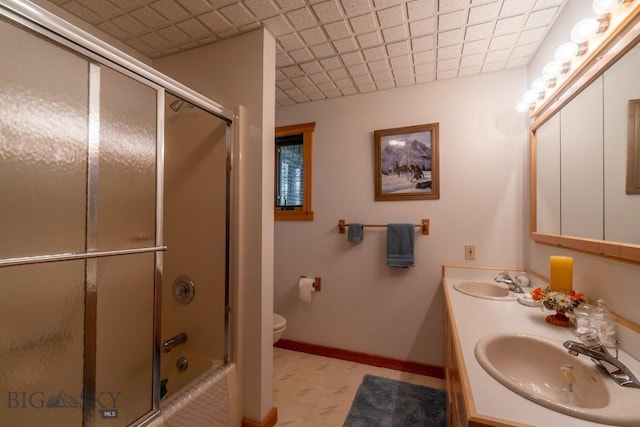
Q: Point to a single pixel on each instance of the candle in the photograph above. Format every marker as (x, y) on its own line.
(561, 273)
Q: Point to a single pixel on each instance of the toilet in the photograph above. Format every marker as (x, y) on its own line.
(279, 325)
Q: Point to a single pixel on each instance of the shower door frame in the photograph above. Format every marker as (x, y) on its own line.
(56, 30)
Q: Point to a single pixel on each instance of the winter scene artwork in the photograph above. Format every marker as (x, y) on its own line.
(407, 163)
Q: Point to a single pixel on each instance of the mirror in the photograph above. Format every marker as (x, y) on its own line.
(584, 151)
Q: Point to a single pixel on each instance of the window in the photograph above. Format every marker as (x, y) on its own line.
(292, 199)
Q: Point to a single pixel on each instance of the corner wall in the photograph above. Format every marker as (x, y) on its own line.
(364, 305)
(240, 72)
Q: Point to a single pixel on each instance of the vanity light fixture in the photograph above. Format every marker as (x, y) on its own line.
(604, 7)
(566, 52)
(552, 70)
(540, 84)
(522, 107)
(584, 30)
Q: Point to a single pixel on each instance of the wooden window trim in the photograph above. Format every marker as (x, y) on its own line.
(304, 213)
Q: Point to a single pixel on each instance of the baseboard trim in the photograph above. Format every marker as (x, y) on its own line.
(367, 359)
(269, 421)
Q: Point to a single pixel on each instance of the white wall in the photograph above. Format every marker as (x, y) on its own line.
(364, 305)
(241, 72)
(599, 277)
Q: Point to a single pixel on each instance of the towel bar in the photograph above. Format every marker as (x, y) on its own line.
(342, 225)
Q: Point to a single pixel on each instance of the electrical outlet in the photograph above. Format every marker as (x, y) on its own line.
(470, 252)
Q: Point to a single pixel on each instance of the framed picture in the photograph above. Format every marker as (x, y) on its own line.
(407, 163)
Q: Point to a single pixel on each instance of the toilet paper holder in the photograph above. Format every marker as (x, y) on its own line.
(317, 283)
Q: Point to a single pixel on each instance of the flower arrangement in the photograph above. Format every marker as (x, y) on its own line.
(557, 300)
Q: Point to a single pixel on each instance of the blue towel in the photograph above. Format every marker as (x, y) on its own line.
(400, 242)
(355, 233)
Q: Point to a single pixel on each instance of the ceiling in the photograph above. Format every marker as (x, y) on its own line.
(333, 48)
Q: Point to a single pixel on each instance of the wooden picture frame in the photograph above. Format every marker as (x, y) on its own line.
(633, 147)
(406, 163)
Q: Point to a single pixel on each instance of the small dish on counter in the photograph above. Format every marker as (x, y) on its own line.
(527, 299)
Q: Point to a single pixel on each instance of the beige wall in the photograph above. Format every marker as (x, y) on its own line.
(364, 305)
(241, 72)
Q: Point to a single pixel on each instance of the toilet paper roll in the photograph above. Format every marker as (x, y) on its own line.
(305, 288)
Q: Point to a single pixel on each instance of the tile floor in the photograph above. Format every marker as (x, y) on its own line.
(317, 391)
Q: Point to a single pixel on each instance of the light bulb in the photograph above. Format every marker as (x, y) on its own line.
(584, 30)
(566, 52)
(530, 96)
(602, 7)
(540, 84)
(522, 107)
(552, 70)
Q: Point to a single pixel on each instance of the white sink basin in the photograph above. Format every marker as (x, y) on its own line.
(487, 290)
(531, 366)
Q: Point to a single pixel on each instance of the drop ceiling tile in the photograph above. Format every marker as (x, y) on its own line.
(352, 58)
(309, 90)
(478, 46)
(123, 5)
(541, 18)
(450, 5)
(424, 57)
(425, 78)
(280, 75)
(493, 66)
(472, 60)
(469, 71)
(236, 14)
(289, 4)
(194, 28)
(302, 81)
(348, 91)
(141, 46)
(170, 10)
(363, 23)
(503, 42)
(283, 60)
(102, 8)
(515, 7)
(318, 96)
(355, 7)
(374, 53)
(362, 80)
(379, 65)
(501, 55)
(543, 4)
(399, 48)
(113, 30)
(327, 11)
(155, 41)
(391, 17)
(394, 34)
(405, 81)
(319, 78)
(331, 63)
(517, 62)
(449, 52)
(343, 82)
(367, 88)
(401, 61)
(128, 24)
(325, 86)
(148, 17)
(448, 64)
(403, 73)
(261, 9)
(447, 74)
(292, 71)
(346, 45)
(478, 31)
(215, 22)
(195, 7)
(174, 34)
(311, 67)
(486, 12)
(382, 76)
(322, 50)
(524, 51)
(422, 27)
(447, 38)
(420, 9)
(277, 26)
(422, 43)
(337, 30)
(290, 41)
(358, 69)
(301, 55)
(452, 20)
(369, 39)
(333, 94)
(532, 36)
(510, 25)
(385, 84)
(313, 36)
(425, 68)
(301, 18)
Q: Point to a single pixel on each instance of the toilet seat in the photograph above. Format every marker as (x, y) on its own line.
(279, 322)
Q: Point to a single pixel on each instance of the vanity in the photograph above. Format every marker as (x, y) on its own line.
(475, 398)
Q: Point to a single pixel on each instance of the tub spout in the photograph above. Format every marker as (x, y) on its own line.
(167, 345)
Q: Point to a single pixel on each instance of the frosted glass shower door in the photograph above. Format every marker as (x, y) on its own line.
(43, 166)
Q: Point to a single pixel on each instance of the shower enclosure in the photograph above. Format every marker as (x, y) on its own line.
(107, 197)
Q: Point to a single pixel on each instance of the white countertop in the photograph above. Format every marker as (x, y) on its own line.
(475, 318)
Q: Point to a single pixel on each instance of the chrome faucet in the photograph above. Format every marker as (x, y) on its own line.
(505, 278)
(600, 356)
(181, 338)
